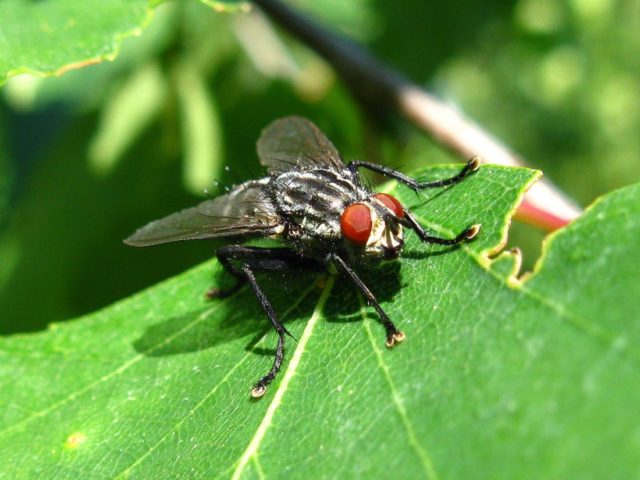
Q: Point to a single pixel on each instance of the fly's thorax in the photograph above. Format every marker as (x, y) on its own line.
(314, 201)
(328, 210)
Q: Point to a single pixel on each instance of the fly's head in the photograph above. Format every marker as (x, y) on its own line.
(375, 226)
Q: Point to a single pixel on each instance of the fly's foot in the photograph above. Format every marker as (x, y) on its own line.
(472, 231)
(474, 164)
(261, 385)
(395, 337)
(399, 337)
(258, 391)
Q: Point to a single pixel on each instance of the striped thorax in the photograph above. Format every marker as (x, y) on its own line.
(316, 201)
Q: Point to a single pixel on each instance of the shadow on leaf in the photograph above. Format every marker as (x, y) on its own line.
(240, 315)
(227, 319)
(344, 305)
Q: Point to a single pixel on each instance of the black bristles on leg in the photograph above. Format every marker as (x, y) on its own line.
(260, 387)
(393, 334)
(471, 166)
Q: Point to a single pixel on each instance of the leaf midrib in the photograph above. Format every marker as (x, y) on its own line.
(253, 446)
(420, 450)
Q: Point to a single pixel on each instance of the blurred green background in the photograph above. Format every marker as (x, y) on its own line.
(88, 157)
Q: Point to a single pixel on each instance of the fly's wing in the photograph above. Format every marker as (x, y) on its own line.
(295, 142)
(246, 210)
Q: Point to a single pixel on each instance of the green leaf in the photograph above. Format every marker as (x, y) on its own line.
(498, 377)
(50, 37)
(228, 5)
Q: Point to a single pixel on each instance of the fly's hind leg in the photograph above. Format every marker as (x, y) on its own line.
(224, 256)
(242, 261)
(261, 386)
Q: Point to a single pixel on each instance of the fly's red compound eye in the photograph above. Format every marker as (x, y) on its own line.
(355, 223)
(391, 203)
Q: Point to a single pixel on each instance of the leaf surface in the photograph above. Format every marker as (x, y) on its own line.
(497, 378)
(52, 36)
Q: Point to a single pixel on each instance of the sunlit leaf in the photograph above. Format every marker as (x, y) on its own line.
(49, 37)
(497, 377)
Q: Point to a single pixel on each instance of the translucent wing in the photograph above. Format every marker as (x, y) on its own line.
(246, 210)
(295, 142)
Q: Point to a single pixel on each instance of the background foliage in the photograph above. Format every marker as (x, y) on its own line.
(88, 156)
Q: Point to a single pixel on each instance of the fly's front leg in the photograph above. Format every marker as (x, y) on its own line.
(242, 261)
(471, 166)
(393, 334)
(466, 235)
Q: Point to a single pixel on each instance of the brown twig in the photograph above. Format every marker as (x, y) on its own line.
(380, 89)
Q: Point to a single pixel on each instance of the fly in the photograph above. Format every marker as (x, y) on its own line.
(318, 206)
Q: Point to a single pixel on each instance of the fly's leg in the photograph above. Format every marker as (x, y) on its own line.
(224, 256)
(467, 234)
(262, 259)
(471, 166)
(242, 261)
(261, 386)
(393, 334)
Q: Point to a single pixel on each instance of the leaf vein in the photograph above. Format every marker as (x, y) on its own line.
(254, 444)
(198, 405)
(121, 369)
(421, 451)
(590, 329)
